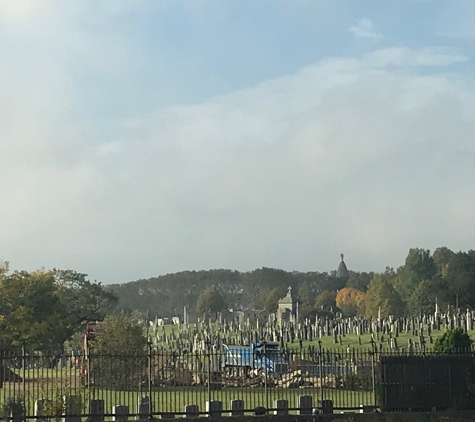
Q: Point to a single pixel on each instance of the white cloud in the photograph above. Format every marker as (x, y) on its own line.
(404, 56)
(365, 28)
(362, 155)
(291, 172)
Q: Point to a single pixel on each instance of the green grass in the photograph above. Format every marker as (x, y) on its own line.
(173, 400)
(55, 384)
(351, 341)
(348, 341)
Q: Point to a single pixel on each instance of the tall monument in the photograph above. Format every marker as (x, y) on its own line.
(342, 271)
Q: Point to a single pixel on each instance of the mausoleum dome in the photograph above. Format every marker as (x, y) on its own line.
(342, 271)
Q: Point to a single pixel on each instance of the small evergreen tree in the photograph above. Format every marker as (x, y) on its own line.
(453, 341)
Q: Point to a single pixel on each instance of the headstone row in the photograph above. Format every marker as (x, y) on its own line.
(214, 408)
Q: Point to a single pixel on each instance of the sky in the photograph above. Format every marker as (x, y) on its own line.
(144, 137)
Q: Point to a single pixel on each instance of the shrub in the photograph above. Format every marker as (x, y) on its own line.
(453, 341)
(14, 409)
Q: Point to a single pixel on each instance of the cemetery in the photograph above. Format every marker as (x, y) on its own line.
(243, 363)
(339, 361)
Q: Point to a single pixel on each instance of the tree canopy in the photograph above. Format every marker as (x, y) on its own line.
(348, 300)
(42, 309)
(381, 298)
(121, 336)
(210, 301)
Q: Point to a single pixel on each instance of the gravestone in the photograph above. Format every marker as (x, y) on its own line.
(237, 408)
(72, 409)
(96, 411)
(260, 411)
(192, 411)
(305, 405)
(143, 407)
(121, 413)
(282, 407)
(366, 409)
(326, 406)
(214, 408)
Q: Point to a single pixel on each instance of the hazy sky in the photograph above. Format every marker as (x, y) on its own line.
(145, 137)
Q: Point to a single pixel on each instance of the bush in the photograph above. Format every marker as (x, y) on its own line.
(118, 356)
(14, 409)
(453, 341)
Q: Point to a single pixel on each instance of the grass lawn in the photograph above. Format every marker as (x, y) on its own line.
(351, 341)
(52, 384)
(348, 341)
(173, 400)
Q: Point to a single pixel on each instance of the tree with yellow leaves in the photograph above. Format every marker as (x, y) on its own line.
(348, 300)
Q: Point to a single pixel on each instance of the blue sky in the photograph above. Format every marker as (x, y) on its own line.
(145, 137)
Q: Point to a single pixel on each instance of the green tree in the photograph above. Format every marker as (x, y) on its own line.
(453, 341)
(419, 265)
(264, 279)
(4, 268)
(307, 297)
(43, 309)
(210, 301)
(84, 300)
(442, 257)
(381, 296)
(359, 281)
(326, 301)
(33, 316)
(424, 297)
(269, 299)
(118, 357)
(459, 279)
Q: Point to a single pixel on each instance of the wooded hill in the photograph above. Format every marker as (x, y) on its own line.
(166, 295)
(444, 277)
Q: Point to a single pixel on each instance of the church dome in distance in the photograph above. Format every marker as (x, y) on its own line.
(342, 271)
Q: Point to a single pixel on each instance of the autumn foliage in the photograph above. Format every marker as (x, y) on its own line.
(348, 300)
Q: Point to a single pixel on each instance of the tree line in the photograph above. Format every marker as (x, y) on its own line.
(215, 290)
(443, 276)
(43, 309)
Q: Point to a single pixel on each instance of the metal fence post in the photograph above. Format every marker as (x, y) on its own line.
(88, 367)
(373, 374)
(23, 363)
(265, 378)
(320, 361)
(208, 347)
(150, 379)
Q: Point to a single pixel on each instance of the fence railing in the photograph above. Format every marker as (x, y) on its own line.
(160, 382)
(163, 382)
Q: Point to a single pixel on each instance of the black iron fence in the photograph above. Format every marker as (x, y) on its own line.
(426, 382)
(160, 382)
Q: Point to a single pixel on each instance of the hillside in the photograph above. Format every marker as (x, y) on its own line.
(166, 295)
